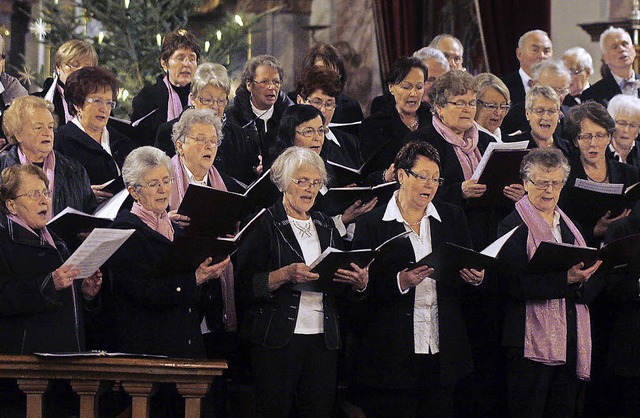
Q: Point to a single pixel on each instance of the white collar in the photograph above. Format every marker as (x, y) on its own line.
(616, 154)
(392, 213)
(620, 79)
(525, 79)
(105, 134)
(497, 134)
(265, 115)
(332, 137)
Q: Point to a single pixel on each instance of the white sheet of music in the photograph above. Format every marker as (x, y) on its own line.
(96, 249)
(109, 208)
(608, 188)
(508, 146)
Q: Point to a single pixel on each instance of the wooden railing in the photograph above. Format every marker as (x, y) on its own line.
(137, 376)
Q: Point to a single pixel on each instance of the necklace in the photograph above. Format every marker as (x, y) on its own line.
(413, 126)
(403, 218)
(304, 230)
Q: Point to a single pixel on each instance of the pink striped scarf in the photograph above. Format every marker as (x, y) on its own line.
(49, 169)
(545, 339)
(179, 188)
(466, 148)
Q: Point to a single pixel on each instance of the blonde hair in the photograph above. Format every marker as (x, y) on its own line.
(22, 108)
(75, 49)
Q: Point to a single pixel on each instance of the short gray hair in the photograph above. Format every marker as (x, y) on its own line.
(541, 91)
(584, 59)
(555, 67)
(524, 36)
(488, 80)
(290, 160)
(439, 38)
(546, 159)
(190, 117)
(209, 73)
(610, 31)
(622, 104)
(249, 69)
(141, 160)
(428, 52)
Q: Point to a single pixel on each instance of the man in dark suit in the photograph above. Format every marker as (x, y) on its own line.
(534, 46)
(618, 53)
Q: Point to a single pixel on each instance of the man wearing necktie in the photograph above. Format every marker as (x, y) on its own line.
(619, 54)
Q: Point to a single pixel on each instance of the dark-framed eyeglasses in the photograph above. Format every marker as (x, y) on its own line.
(599, 136)
(545, 184)
(318, 103)
(494, 106)
(461, 104)
(425, 179)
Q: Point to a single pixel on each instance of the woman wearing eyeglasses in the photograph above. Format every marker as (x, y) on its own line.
(590, 127)
(292, 324)
(547, 325)
(414, 345)
(494, 102)
(164, 101)
(543, 113)
(91, 93)
(157, 311)
(625, 146)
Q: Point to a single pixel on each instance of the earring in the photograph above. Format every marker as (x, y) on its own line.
(401, 186)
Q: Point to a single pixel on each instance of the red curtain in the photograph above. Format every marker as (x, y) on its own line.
(504, 22)
(396, 29)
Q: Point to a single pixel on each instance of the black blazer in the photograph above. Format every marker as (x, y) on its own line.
(101, 167)
(568, 149)
(386, 352)
(623, 293)
(348, 153)
(577, 209)
(603, 90)
(522, 287)
(58, 107)
(515, 120)
(632, 159)
(156, 312)
(270, 317)
(34, 316)
(71, 183)
(385, 129)
(153, 97)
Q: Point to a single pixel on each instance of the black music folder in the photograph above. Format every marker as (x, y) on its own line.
(337, 199)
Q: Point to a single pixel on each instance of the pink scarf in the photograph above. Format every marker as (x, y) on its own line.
(466, 148)
(545, 339)
(179, 188)
(161, 224)
(49, 169)
(44, 232)
(174, 105)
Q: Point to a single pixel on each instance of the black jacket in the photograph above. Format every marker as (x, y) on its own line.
(157, 312)
(522, 287)
(242, 113)
(568, 149)
(57, 99)
(101, 167)
(386, 129)
(71, 185)
(153, 98)
(34, 316)
(604, 90)
(386, 352)
(347, 110)
(270, 317)
(237, 156)
(515, 120)
(632, 159)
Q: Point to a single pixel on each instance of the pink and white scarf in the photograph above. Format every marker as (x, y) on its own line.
(174, 105)
(466, 148)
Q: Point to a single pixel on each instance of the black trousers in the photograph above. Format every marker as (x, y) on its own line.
(432, 399)
(301, 376)
(537, 390)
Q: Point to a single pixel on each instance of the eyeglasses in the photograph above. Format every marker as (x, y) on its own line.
(37, 194)
(304, 183)
(494, 106)
(561, 91)
(454, 58)
(155, 184)
(191, 59)
(99, 102)
(576, 71)
(210, 102)
(460, 104)
(310, 132)
(588, 137)
(268, 83)
(545, 184)
(623, 124)
(201, 140)
(540, 111)
(318, 103)
(73, 65)
(424, 179)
